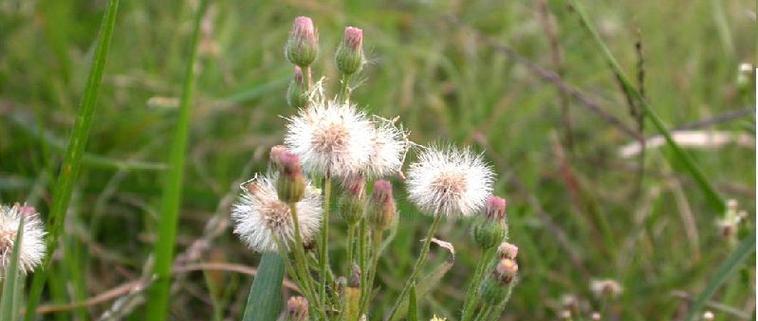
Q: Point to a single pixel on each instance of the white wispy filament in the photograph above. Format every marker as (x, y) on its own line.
(260, 218)
(32, 249)
(449, 182)
(389, 145)
(330, 137)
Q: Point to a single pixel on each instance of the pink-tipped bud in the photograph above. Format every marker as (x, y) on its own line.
(352, 202)
(350, 51)
(494, 209)
(506, 270)
(297, 91)
(26, 210)
(507, 251)
(297, 308)
(291, 182)
(382, 205)
(302, 45)
(355, 277)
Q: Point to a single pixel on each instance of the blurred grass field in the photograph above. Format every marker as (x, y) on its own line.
(453, 71)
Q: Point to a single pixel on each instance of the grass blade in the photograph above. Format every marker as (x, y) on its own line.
(713, 198)
(172, 191)
(730, 265)
(74, 151)
(9, 300)
(265, 299)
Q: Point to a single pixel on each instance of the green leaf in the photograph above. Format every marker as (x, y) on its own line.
(171, 200)
(729, 267)
(74, 151)
(265, 299)
(712, 197)
(412, 308)
(10, 297)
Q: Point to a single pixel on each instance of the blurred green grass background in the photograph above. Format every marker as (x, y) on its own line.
(578, 211)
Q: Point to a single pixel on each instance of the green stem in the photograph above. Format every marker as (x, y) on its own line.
(417, 266)
(301, 263)
(350, 245)
(324, 245)
(376, 245)
(74, 151)
(476, 281)
(344, 90)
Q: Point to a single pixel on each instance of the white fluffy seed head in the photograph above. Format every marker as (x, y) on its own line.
(261, 219)
(448, 181)
(388, 148)
(32, 249)
(330, 137)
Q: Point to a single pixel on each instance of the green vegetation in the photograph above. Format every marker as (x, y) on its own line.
(550, 91)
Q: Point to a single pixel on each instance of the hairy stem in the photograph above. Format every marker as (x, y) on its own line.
(476, 281)
(417, 266)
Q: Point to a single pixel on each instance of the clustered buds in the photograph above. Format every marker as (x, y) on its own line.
(492, 230)
(297, 92)
(498, 286)
(506, 270)
(382, 205)
(350, 51)
(302, 46)
(297, 308)
(290, 186)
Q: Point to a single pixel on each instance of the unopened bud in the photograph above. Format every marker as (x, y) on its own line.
(494, 208)
(290, 185)
(355, 277)
(507, 251)
(382, 205)
(506, 270)
(26, 210)
(352, 201)
(302, 46)
(349, 55)
(297, 92)
(297, 308)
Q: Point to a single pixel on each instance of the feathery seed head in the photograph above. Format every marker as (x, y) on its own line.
(436, 318)
(349, 55)
(389, 146)
(708, 316)
(595, 316)
(381, 206)
(606, 288)
(297, 91)
(297, 308)
(449, 182)
(507, 251)
(331, 138)
(262, 219)
(32, 249)
(302, 45)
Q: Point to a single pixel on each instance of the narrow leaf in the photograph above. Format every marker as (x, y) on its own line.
(426, 284)
(11, 277)
(265, 299)
(729, 267)
(412, 307)
(74, 151)
(713, 198)
(171, 200)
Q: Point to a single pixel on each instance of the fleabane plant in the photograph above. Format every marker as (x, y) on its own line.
(330, 140)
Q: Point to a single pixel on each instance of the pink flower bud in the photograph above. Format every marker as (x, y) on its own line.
(350, 52)
(354, 38)
(382, 205)
(507, 251)
(494, 209)
(302, 45)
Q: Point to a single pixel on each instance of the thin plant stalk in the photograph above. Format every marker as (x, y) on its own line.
(74, 151)
(376, 247)
(301, 264)
(324, 245)
(417, 266)
(476, 281)
(712, 196)
(158, 301)
(344, 90)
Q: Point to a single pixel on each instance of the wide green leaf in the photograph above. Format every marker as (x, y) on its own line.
(265, 299)
(11, 276)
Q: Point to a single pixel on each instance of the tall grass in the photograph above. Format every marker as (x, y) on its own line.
(679, 155)
(158, 301)
(75, 149)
